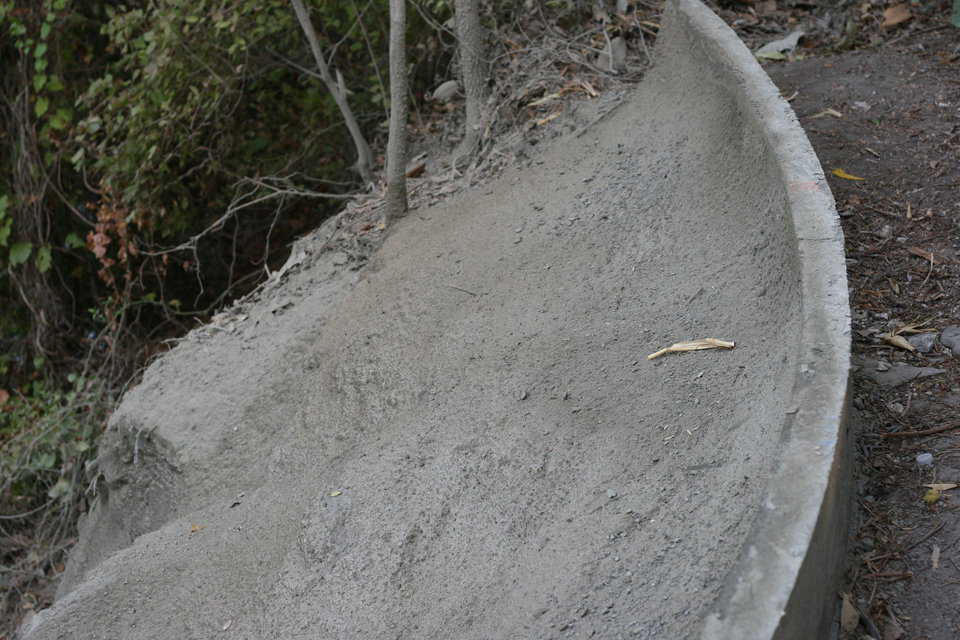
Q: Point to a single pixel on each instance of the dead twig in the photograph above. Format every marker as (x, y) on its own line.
(453, 286)
(923, 432)
(891, 575)
(929, 535)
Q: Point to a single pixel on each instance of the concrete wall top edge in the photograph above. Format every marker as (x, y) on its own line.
(761, 589)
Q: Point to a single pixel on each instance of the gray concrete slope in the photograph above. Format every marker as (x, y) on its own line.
(465, 439)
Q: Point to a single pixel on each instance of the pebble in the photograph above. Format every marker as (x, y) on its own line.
(925, 459)
(923, 342)
(950, 338)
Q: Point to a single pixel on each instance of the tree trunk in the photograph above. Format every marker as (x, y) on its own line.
(339, 93)
(472, 73)
(397, 142)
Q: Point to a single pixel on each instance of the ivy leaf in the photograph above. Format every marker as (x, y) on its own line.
(5, 232)
(45, 30)
(40, 64)
(20, 253)
(45, 460)
(44, 259)
(4, 203)
(55, 84)
(61, 119)
(41, 107)
(40, 51)
(61, 489)
(72, 241)
(39, 81)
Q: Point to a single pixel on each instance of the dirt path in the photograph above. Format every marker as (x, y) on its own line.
(472, 443)
(900, 131)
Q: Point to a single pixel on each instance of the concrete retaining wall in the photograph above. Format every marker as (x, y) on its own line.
(785, 583)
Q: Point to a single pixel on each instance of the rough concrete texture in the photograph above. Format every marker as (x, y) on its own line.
(465, 439)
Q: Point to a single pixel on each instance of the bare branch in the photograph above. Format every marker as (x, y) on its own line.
(244, 200)
(364, 155)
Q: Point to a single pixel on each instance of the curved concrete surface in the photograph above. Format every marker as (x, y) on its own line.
(465, 439)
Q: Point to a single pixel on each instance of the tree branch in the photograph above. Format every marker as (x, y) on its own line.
(364, 155)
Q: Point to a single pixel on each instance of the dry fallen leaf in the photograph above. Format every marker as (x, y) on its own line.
(916, 327)
(4, 396)
(194, 528)
(593, 93)
(545, 99)
(840, 173)
(543, 121)
(931, 497)
(942, 486)
(827, 112)
(929, 256)
(334, 494)
(892, 16)
(693, 345)
(416, 169)
(935, 557)
(897, 341)
(849, 616)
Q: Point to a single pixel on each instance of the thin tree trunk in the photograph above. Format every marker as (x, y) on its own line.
(338, 91)
(397, 142)
(472, 72)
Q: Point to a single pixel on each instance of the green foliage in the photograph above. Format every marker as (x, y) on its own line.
(46, 437)
(196, 96)
(20, 253)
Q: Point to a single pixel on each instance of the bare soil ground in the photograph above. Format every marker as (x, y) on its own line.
(891, 116)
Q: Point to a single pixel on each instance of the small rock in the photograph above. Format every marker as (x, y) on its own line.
(896, 407)
(950, 338)
(281, 305)
(892, 375)
(925, 459)
(523, 395)
(446, 91)
(611, 494)
(923, 342)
